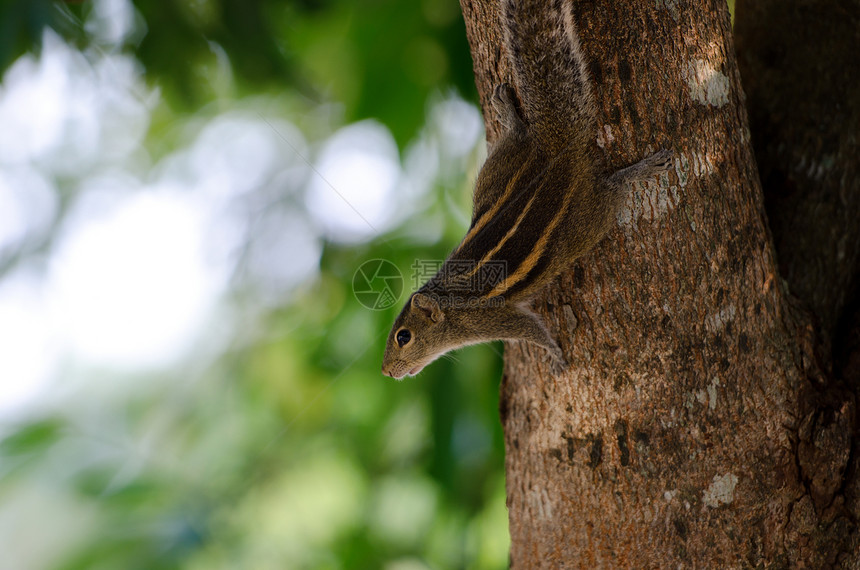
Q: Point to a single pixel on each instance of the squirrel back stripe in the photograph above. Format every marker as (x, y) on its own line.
(480, 219)
(517, 237)
(549, 72)
(537, 253)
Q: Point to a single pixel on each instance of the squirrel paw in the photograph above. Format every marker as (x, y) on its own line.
(556, 362)
(503, 96)
(657, 163)
(504, 103)
(660, 161)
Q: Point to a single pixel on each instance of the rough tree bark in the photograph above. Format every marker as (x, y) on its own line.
(708, 418)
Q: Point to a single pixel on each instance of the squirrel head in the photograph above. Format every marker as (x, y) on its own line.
(419, 336)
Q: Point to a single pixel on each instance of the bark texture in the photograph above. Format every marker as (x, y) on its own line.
(703, 422)
(800, 63)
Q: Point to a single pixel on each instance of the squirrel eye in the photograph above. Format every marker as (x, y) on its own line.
(403, 337)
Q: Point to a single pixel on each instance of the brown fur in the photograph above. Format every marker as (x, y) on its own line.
(538, 205)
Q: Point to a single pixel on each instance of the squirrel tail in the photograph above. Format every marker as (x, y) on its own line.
(549, 70)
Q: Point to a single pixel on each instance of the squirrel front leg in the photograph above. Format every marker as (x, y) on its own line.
(520, 323)
(653, 165)
(530, 327)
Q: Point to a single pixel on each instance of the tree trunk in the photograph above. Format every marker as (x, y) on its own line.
(708, 417)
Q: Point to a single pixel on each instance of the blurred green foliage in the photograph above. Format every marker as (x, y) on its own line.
(22, 23)
(290, 451)
(378, 58)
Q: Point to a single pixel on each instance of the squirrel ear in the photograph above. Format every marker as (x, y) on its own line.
(429, 306)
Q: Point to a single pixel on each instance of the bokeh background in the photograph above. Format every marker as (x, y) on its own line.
(187, 380)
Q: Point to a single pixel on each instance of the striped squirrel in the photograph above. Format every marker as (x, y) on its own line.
(540, 201)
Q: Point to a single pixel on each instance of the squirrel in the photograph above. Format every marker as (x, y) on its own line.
(540, 201)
